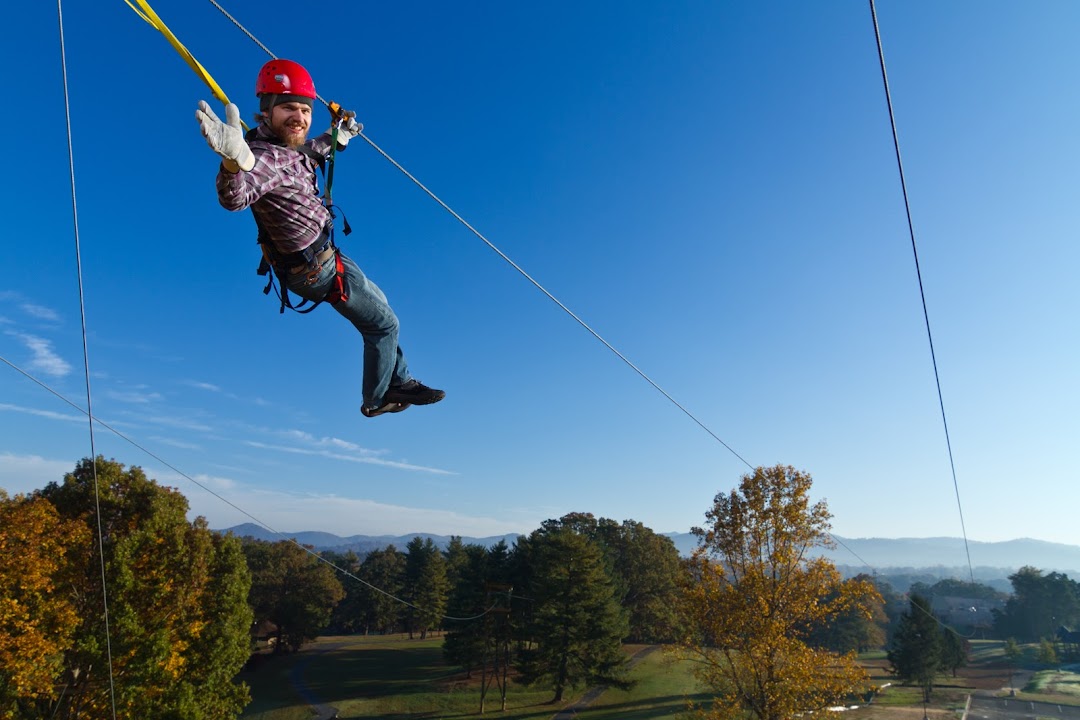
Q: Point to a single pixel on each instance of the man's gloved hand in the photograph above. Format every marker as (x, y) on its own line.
(226, 138)
(348, 129)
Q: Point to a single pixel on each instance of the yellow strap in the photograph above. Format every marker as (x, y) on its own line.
(147, 13)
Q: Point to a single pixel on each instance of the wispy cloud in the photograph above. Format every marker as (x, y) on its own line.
(202, 385)
(176, 422)
(213, 388)
(366, 459)
(198, 485)
(114, 425)
(294, 512)
(217, 498)
(233, 468)
(133, 396)
(45, 359)
(25, 473)
(175, 443)
(43, 413)
(40, 312)
(307, 438)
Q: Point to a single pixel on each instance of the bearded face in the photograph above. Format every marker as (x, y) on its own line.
(291, 121)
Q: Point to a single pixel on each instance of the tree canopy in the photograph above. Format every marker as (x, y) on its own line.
(916, 649)
(178, 617)
(756, 596)
(39, 553)
(576, 626)
(293, 589)
(1039, 605)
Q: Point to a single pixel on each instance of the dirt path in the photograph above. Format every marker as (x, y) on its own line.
(296, 679)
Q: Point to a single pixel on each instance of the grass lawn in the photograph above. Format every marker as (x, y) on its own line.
(383, 678)
(1055, 682)
(394, 678)
(987, 651)
(663, 684)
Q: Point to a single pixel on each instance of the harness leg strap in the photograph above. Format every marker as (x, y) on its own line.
(337, 292)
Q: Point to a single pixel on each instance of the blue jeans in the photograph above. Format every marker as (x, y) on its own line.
(367, 309)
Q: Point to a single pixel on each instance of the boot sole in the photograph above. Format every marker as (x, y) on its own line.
(385, 409)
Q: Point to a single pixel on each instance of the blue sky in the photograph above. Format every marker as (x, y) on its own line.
(710, 185)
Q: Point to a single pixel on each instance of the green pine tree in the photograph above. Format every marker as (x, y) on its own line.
(577, 625)
(426, 586)
(954, 650)
(915, 650)
(383, 570)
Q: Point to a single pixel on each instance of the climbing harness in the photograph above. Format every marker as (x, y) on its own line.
(311, 259)
(273, 263)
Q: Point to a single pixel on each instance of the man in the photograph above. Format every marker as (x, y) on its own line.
(273, 171)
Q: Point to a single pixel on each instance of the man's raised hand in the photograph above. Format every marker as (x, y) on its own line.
(226, 138)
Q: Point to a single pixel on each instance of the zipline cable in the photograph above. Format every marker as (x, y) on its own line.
(231, 504)
(147, 13)
(86, 361)
(505, 257)
(918, 273)
(202, 72)
(526, 275)
(508, 595)
(520, 270)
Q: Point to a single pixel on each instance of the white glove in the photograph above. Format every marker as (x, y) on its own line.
(226, 138)
(348, 129)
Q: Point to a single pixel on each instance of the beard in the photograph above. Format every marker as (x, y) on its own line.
(291, 139)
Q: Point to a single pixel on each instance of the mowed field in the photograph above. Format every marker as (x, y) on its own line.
(392, 677)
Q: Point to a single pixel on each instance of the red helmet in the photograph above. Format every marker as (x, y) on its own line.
(284, 77)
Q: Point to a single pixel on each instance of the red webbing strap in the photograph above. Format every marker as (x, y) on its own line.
(338, 294)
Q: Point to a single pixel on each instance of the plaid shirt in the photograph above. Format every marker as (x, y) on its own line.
(282, 191)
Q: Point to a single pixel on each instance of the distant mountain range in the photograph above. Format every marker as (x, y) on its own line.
(873, 553)
(360, 544)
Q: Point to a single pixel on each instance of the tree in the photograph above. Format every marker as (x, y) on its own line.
(176, 596)
(648, 572)
(954, 650)
(426, 587)
(895, 604)
(465, 642)
(350, 614)
(915, 652)
(226, 596)
(1039, 605)
(384, 570)
(1013, 655)
(1047, 653)
(479, 633)
(457, 558)
(291, 588)
(38, 561)
(952, 587)
(577, 625)
(860, 627)
(755, 595)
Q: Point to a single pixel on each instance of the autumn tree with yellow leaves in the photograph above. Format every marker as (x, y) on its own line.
(37, 613)
(758, 593)
(177, 601)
